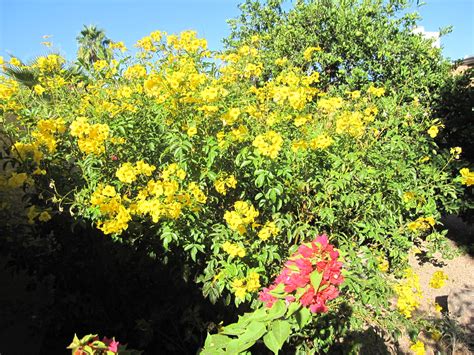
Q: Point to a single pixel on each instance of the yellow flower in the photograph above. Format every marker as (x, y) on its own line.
(197, 193)
(39, 89)
(409, 293)
(438, 279)
(32, 213)
(268, 230)
(455, 152)
(433, 131)
(301, 120)
(422, 224)
(136, 71)
(355, 94)
(350, 123)
(126, 173)
(281, 61)
(377, 92)
(222, 184)
(467, 176)
(17, 180)
(14, 61)
(418, 348)
(192, 131)
(253, 282)
(268, 144)
(109, 191)
(233, 249)
(143, 168)
(239, 288)
(382, 264)
(408, 196)
(307, 54)
(437, 308)
(44, 216)
(298, 145)
(100, 65)
(118, 45)
(321, 141)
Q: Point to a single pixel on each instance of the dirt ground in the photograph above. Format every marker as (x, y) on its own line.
(456, 296)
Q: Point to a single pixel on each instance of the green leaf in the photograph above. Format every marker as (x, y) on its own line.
(254, 331)
(303, 316)
(216, 341)
(292, 308)
(278, 310)
(316, 278)
(278, 334)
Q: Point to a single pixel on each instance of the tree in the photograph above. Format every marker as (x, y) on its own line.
(93, 46)
(361, 42)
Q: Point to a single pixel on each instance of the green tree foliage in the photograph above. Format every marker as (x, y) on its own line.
(93, 45)
(361, 42)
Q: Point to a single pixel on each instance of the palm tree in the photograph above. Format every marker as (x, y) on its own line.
(93, 46)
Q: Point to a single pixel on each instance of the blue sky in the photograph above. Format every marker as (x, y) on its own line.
(24, 22)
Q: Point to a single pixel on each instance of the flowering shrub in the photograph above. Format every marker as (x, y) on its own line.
(310, 278)
(91, 344)
(201, 152)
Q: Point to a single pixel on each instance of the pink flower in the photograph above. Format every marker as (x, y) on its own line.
(318, 256)
(111, 344)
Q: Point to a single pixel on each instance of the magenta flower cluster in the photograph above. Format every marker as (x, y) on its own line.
(311, 276)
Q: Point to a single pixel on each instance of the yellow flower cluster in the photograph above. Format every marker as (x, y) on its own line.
(241, 286)
(268, 230)
(421, 224)
(294, 89)
(233, 249)
(150, 43)
(111, 205)
(409, 293)
(15, 62)
(46, 129)
(268, 144)
(330, 105)
(136, 71)
(118, 45)
(33, 212)
(382, 263)
(467, 176)
(222, 184)
(23, 151)
(127, 173)
(438, 279)
(321, 141)
(173, 170)
(50, 63)
(308, 53)
(16, 180)
(91, 137)
(100, 65)
(418, 348)
(351, 123)
(8, 88)
(158, 199)
(187, 41)
(377, 92)
(243, 215)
